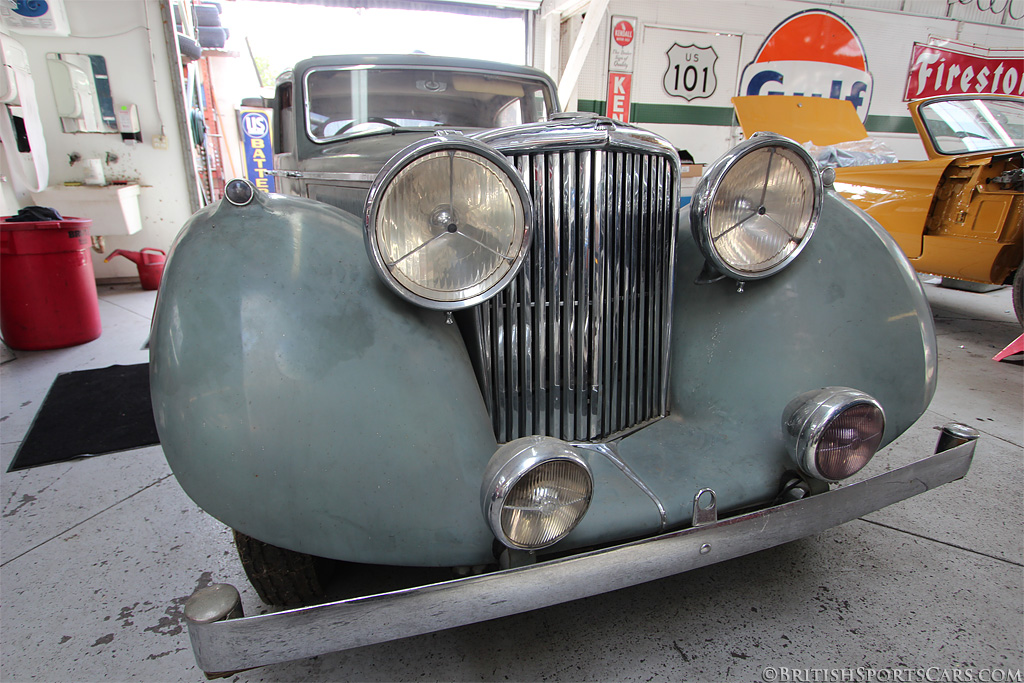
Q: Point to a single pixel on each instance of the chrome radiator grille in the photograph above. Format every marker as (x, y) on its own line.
(576, 346)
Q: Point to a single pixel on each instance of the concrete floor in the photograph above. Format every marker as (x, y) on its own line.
(98, 556)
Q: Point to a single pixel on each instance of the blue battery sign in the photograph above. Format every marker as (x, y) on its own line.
(258, 147)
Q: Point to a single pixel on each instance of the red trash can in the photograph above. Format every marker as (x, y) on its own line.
(47, 288)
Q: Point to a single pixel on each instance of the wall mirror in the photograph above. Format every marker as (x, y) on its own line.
(81, 88)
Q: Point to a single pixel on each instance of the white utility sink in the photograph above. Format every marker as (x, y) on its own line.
(113, 209)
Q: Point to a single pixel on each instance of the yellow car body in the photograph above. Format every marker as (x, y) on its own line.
(946, 213)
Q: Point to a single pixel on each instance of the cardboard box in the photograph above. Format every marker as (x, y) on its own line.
(692, 171)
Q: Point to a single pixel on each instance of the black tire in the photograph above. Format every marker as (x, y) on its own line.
(190, 49)
(1018, 296)
(207, 15)
(280, 576)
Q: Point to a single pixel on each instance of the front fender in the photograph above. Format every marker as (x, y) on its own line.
(285, 377)
(849, 311)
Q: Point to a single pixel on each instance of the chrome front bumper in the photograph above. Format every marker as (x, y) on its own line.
(224, 644)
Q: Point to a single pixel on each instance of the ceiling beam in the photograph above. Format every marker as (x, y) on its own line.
(595, 11)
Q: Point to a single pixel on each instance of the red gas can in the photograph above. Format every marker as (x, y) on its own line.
(47, 288)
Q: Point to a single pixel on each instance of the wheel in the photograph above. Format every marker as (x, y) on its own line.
(1018, 296)
(280, 576)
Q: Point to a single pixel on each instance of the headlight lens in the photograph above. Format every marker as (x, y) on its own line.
(756, 207)
(546, 504)
(448, 223)
(834, 432)
(536, 490)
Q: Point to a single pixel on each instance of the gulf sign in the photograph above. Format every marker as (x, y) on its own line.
(814, 53)
(938, 70)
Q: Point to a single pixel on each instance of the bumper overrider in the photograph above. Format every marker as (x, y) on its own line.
(226, 642)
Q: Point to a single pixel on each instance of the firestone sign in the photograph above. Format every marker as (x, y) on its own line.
(938, 70)
(814, 53)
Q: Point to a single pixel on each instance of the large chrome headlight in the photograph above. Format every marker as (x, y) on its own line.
(832, 433)
(448, 223)
(535, 491)
(756, 207)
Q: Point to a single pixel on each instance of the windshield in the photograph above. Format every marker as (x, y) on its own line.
(346, 102)
(963, 126)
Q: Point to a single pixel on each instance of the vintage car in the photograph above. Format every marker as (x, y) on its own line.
(476, 334)
(958, 214)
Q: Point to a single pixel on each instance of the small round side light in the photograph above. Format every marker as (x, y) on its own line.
(239, 192)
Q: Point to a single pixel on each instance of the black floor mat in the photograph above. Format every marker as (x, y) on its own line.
(90, 412)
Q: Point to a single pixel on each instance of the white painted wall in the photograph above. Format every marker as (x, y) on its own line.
(130, 35)
(887, 36)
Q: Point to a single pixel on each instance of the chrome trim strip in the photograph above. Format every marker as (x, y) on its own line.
(611, 451)
(325, 175)
(576, 131)
(598, 378)
(540, 314)
(668, 290)
(249, 642)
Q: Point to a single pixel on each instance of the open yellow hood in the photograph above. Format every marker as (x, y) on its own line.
(820, 120)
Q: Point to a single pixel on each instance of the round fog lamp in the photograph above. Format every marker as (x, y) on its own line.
(536, 491)
(849, 441)
(834, 432)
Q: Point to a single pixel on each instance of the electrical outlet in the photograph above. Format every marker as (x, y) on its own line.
(160, 142)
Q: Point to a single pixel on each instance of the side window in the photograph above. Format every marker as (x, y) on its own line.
(284, 119)
(528, 108)
(538, 106)
(509, 115)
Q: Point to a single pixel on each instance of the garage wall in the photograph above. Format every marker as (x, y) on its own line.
(130, 35)
(737, 29)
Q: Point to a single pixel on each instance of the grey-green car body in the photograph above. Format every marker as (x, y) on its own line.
(303, 403)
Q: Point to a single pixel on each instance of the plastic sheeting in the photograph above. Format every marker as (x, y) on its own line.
(866, 152)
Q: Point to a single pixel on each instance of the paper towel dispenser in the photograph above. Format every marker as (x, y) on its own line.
(81, 88)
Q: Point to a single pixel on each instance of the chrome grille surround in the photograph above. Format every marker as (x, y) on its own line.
(577, 346)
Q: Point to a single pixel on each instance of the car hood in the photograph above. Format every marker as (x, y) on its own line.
(820, 120)
(366, 154)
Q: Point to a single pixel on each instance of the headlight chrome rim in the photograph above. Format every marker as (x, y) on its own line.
(523, 211)
(511, 464)
(711, 184)
(808, 418)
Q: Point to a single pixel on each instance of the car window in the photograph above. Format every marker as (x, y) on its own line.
(346, 102)
(285, 119)
(963, 126)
